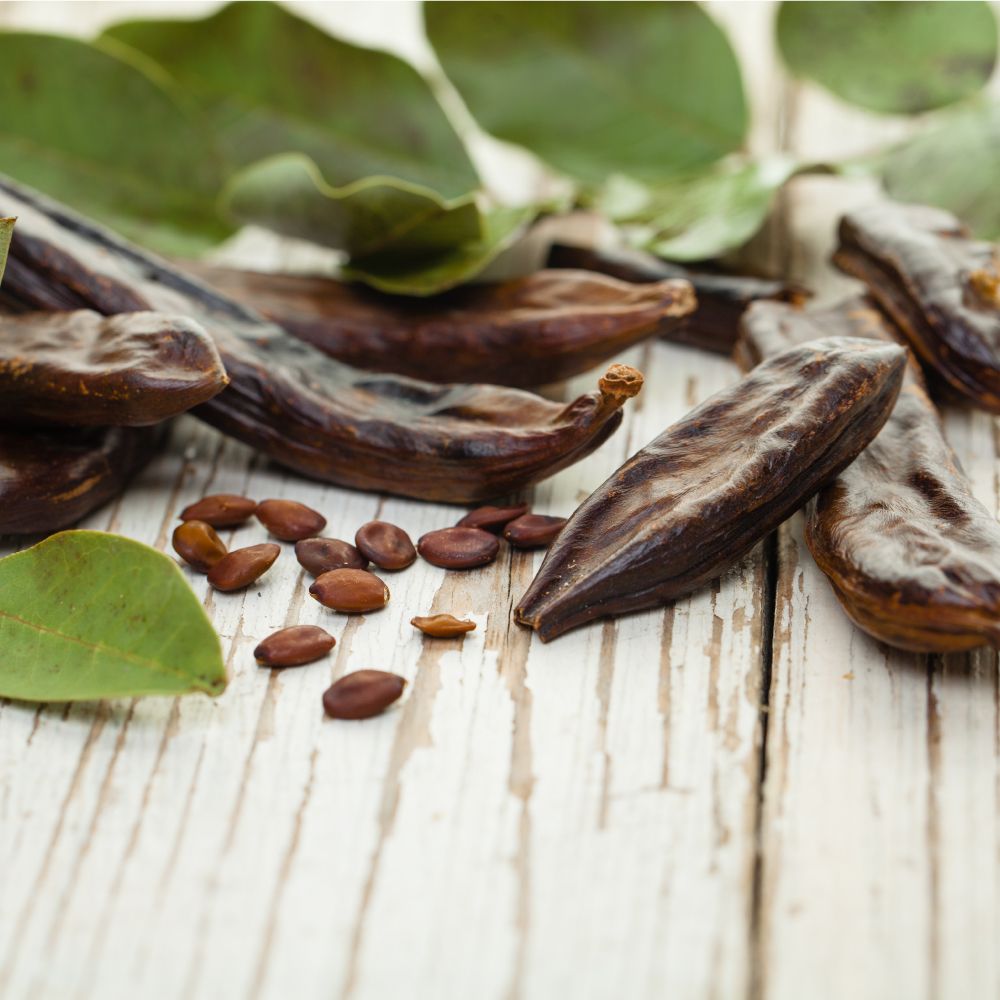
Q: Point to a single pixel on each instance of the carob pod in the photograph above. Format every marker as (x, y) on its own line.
(721, 297)
(941, 289)
(912, 555)
(696, 499)
(385, 433)
(50, 479)
(84, 369)
(541, 328)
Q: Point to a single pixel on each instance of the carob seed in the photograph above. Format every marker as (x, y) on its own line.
(459, 548)
(362, 694)
(242, 566)
(320, 555)
(386, 545)
(290, 520)
(442, 626)
(220, 510)
(533, 531)
(291, 647)
(198, 545)
(491, 518)
(350, 590)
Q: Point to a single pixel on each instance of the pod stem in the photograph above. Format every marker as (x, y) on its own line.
(617, 384)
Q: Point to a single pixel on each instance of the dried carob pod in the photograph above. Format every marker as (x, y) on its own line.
(540, 328)
(84, 369)
(939, 287)
(456, 443)
(49, 479)
(912, 555)
(722, 297)
(696, 499)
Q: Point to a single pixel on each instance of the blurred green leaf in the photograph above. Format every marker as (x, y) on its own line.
(891, 57)
(701, 216)
(6, 231)
(954, 164)
(438, 272)
(94, 129)
(270, 82)
(644, 89)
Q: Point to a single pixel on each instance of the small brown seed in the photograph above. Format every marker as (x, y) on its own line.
(491, 518)
(362, 694)
(353, 591)
(442, 626)
(242, 566)
(291, 647)
(220, 510)
(459, 548)
(198, 545)
(290, 520)
(386, 545)
(320, 555)
(533, 531)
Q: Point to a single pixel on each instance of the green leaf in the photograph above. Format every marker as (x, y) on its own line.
(954, 164)
(288, 194)
(643, 89)
(92, 128)
(698, 217)
(6, 231)
(271, 83)
(891, 57)
(87, 615)
(437, 273)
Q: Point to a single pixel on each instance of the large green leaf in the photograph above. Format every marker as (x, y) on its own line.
(271, 83)
(6, 231)
(88, 615)
(643, 89)
(435, 273)
(701, 216)
(954, 165)
(891, 57)
(93, 128)
(287, 193)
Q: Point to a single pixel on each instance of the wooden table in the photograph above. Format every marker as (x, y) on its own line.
(740, 795)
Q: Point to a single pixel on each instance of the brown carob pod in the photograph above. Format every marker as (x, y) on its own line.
(912, 555)
(384, 433)
(294, 646)
(540, 328)
(241, 567)
(362, 694)
(442, 626)
(940, 288)
(491, 518)
(696, 499)
(385, 544)
(458, 548)
(50, 479)
(721, 297)
(220, 510)
(198, 545)
(289, 520)
(320, 555)
(83, 369)
(533, 531)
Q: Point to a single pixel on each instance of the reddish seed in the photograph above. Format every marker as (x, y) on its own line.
(491, 518)
(442, 626)
(353, 591)
(290, 520)
(533, 531)
(220, 510)
(320, 555)
(243, 566)
(198, 545)
(459, 548)
(362, 694)
(385, 544)
(291, 647)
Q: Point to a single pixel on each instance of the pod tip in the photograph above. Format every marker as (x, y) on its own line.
(620, 382)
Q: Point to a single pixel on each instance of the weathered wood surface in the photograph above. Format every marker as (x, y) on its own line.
(600, 817)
